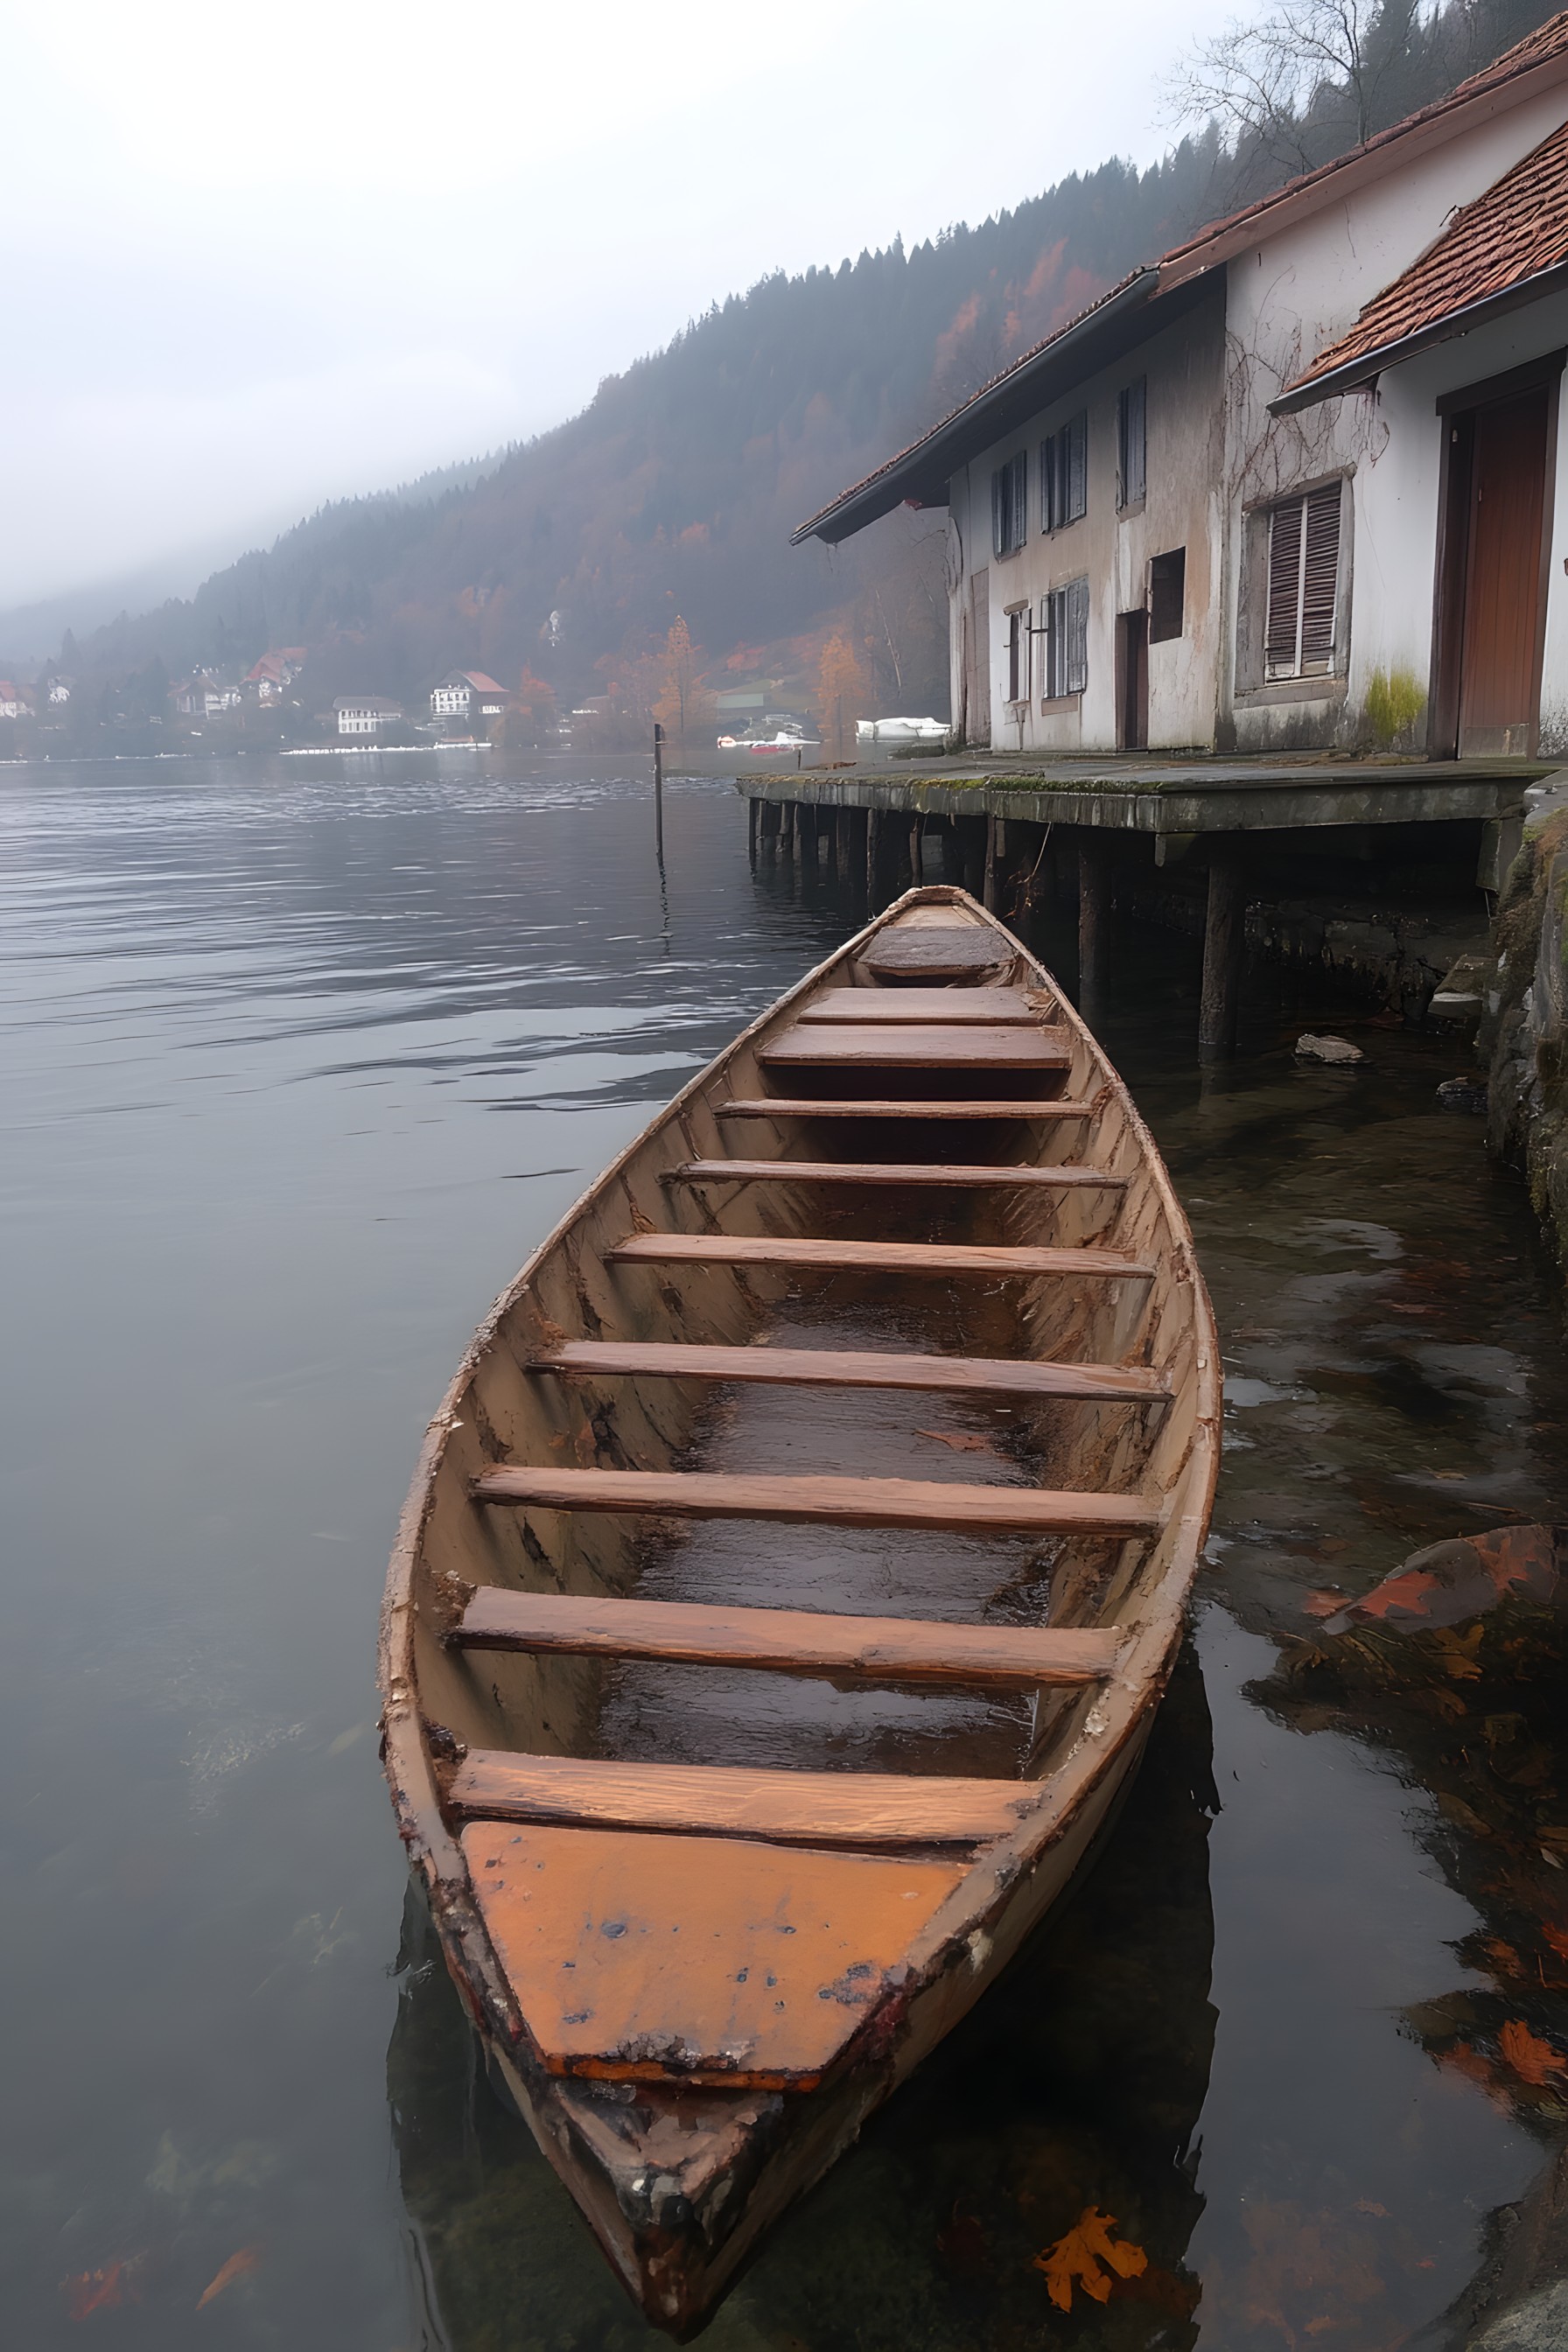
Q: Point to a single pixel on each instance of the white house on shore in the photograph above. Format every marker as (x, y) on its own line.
(366, 714)
(468, 694)
(1294, 484)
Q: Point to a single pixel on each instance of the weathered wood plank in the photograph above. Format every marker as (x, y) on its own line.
(825, 1107)
(632, 1958)
(975, 1007)
(834, 1368)
(935, 951)
(821, 1501)
(919, 1046)
(879, 1257)
(789, 1641)
(730, 1800)
(976, 1176)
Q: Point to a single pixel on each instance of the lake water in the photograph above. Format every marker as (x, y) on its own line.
(300, 1058)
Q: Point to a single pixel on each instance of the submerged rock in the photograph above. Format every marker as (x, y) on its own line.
(1326, 1049)
(1464, 1093)
(1538, 2323)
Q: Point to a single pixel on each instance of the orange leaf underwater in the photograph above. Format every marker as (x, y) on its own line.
(235, 2267)
(1530, 2058)
(101, 2289)
(1080, 2255)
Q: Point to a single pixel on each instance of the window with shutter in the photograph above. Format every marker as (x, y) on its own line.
(1064, 474)
(1303, 584)
(1077, 434)
(1018, 655)
(1010, 504)
(1319, 579)
(1063, 626)
(1132, 445)
(1077, 637)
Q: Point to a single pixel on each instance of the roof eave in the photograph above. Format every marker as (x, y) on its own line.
(922, 475)
(1387, 152)
(1355, 375)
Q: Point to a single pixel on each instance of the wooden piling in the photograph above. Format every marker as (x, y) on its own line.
(873, 845)
(1093, 918)
(659, 792)
(1225, 951)
(995, 845)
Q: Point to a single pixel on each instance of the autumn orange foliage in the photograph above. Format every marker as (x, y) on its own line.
(1091, 2255)
(235, 2267)
(1531, 2059)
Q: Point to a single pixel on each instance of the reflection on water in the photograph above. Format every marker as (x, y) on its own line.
(298, 1067)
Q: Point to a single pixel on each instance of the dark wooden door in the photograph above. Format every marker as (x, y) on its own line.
(1499, 670)
(1131, 681)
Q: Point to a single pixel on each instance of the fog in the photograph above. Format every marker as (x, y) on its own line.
(256, 262)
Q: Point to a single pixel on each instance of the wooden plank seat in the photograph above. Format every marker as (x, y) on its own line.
(826, 1107)
(978, 1006)
(922, 1046)
(821, 1501)
(933, 1258)
(935, 951)
(730, 1801)
(835, 1368)
(977, 1176)
(788, 1641)
(633, 1958)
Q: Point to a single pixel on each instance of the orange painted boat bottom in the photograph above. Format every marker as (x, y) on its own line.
(789, 1578)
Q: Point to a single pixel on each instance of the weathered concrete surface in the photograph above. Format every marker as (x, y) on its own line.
(1185, 796)
(1536, 2324)
(1525, 1029)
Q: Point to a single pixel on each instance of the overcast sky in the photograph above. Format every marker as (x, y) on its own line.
(254, 260)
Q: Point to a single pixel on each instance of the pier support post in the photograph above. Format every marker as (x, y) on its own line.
(753, 811)
(917, 873)
(1225, 950)
(873, 844)
(995, 849)
(768, 828)
(1093, 919)
(842, 820)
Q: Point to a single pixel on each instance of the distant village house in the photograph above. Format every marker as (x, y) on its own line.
(203, 697)
(269, 678)
(468, 694)
(366, 714)
(1294, 484)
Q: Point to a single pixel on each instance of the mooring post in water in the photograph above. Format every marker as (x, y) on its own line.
(753, 807)
(1224, 953)
(873, 843)
(659, 792)
(1093, 918)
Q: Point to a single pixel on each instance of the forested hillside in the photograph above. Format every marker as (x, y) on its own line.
(675, 491)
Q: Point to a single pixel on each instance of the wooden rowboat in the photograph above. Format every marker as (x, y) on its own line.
(790, 1577)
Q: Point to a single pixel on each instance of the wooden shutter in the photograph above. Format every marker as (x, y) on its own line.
(1132, 457)
(1048, 501)
(1051, 622)
(1319, 579)
(1076, 434)
(1077, 600)
(1020, 472)
(1281, 632)
(998, 511)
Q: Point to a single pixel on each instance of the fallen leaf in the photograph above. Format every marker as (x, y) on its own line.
(1531, 2059)
(1365, 2205)
(1558, 1939)
(1325, 1604)
(100, 2290)
(235, 2267)
(1503, 1956)
(1457, 1652)
(1079, 2254)
(1448, 1583)
(1463, 1816)
(962, 1442)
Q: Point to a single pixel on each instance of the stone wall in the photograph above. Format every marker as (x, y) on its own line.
(1524, 1027)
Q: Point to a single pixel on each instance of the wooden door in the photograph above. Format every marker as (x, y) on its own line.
(979, 717)
(1500, 662)
(1131, 681)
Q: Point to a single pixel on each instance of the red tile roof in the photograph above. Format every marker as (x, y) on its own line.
(485, 685)
(1494, 248)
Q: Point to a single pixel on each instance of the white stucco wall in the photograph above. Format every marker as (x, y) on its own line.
(1287, 299)
(1183, 366)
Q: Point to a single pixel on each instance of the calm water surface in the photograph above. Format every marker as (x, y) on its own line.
(300, 1060)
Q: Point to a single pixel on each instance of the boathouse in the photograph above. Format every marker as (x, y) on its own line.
(1293, 485)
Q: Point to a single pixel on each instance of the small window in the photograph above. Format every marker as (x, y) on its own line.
(1167, 595)
(1064, 474)
(1064, 624)
(1010, 504)
(1018, 655)
(1303, 584)
(1133, 447)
